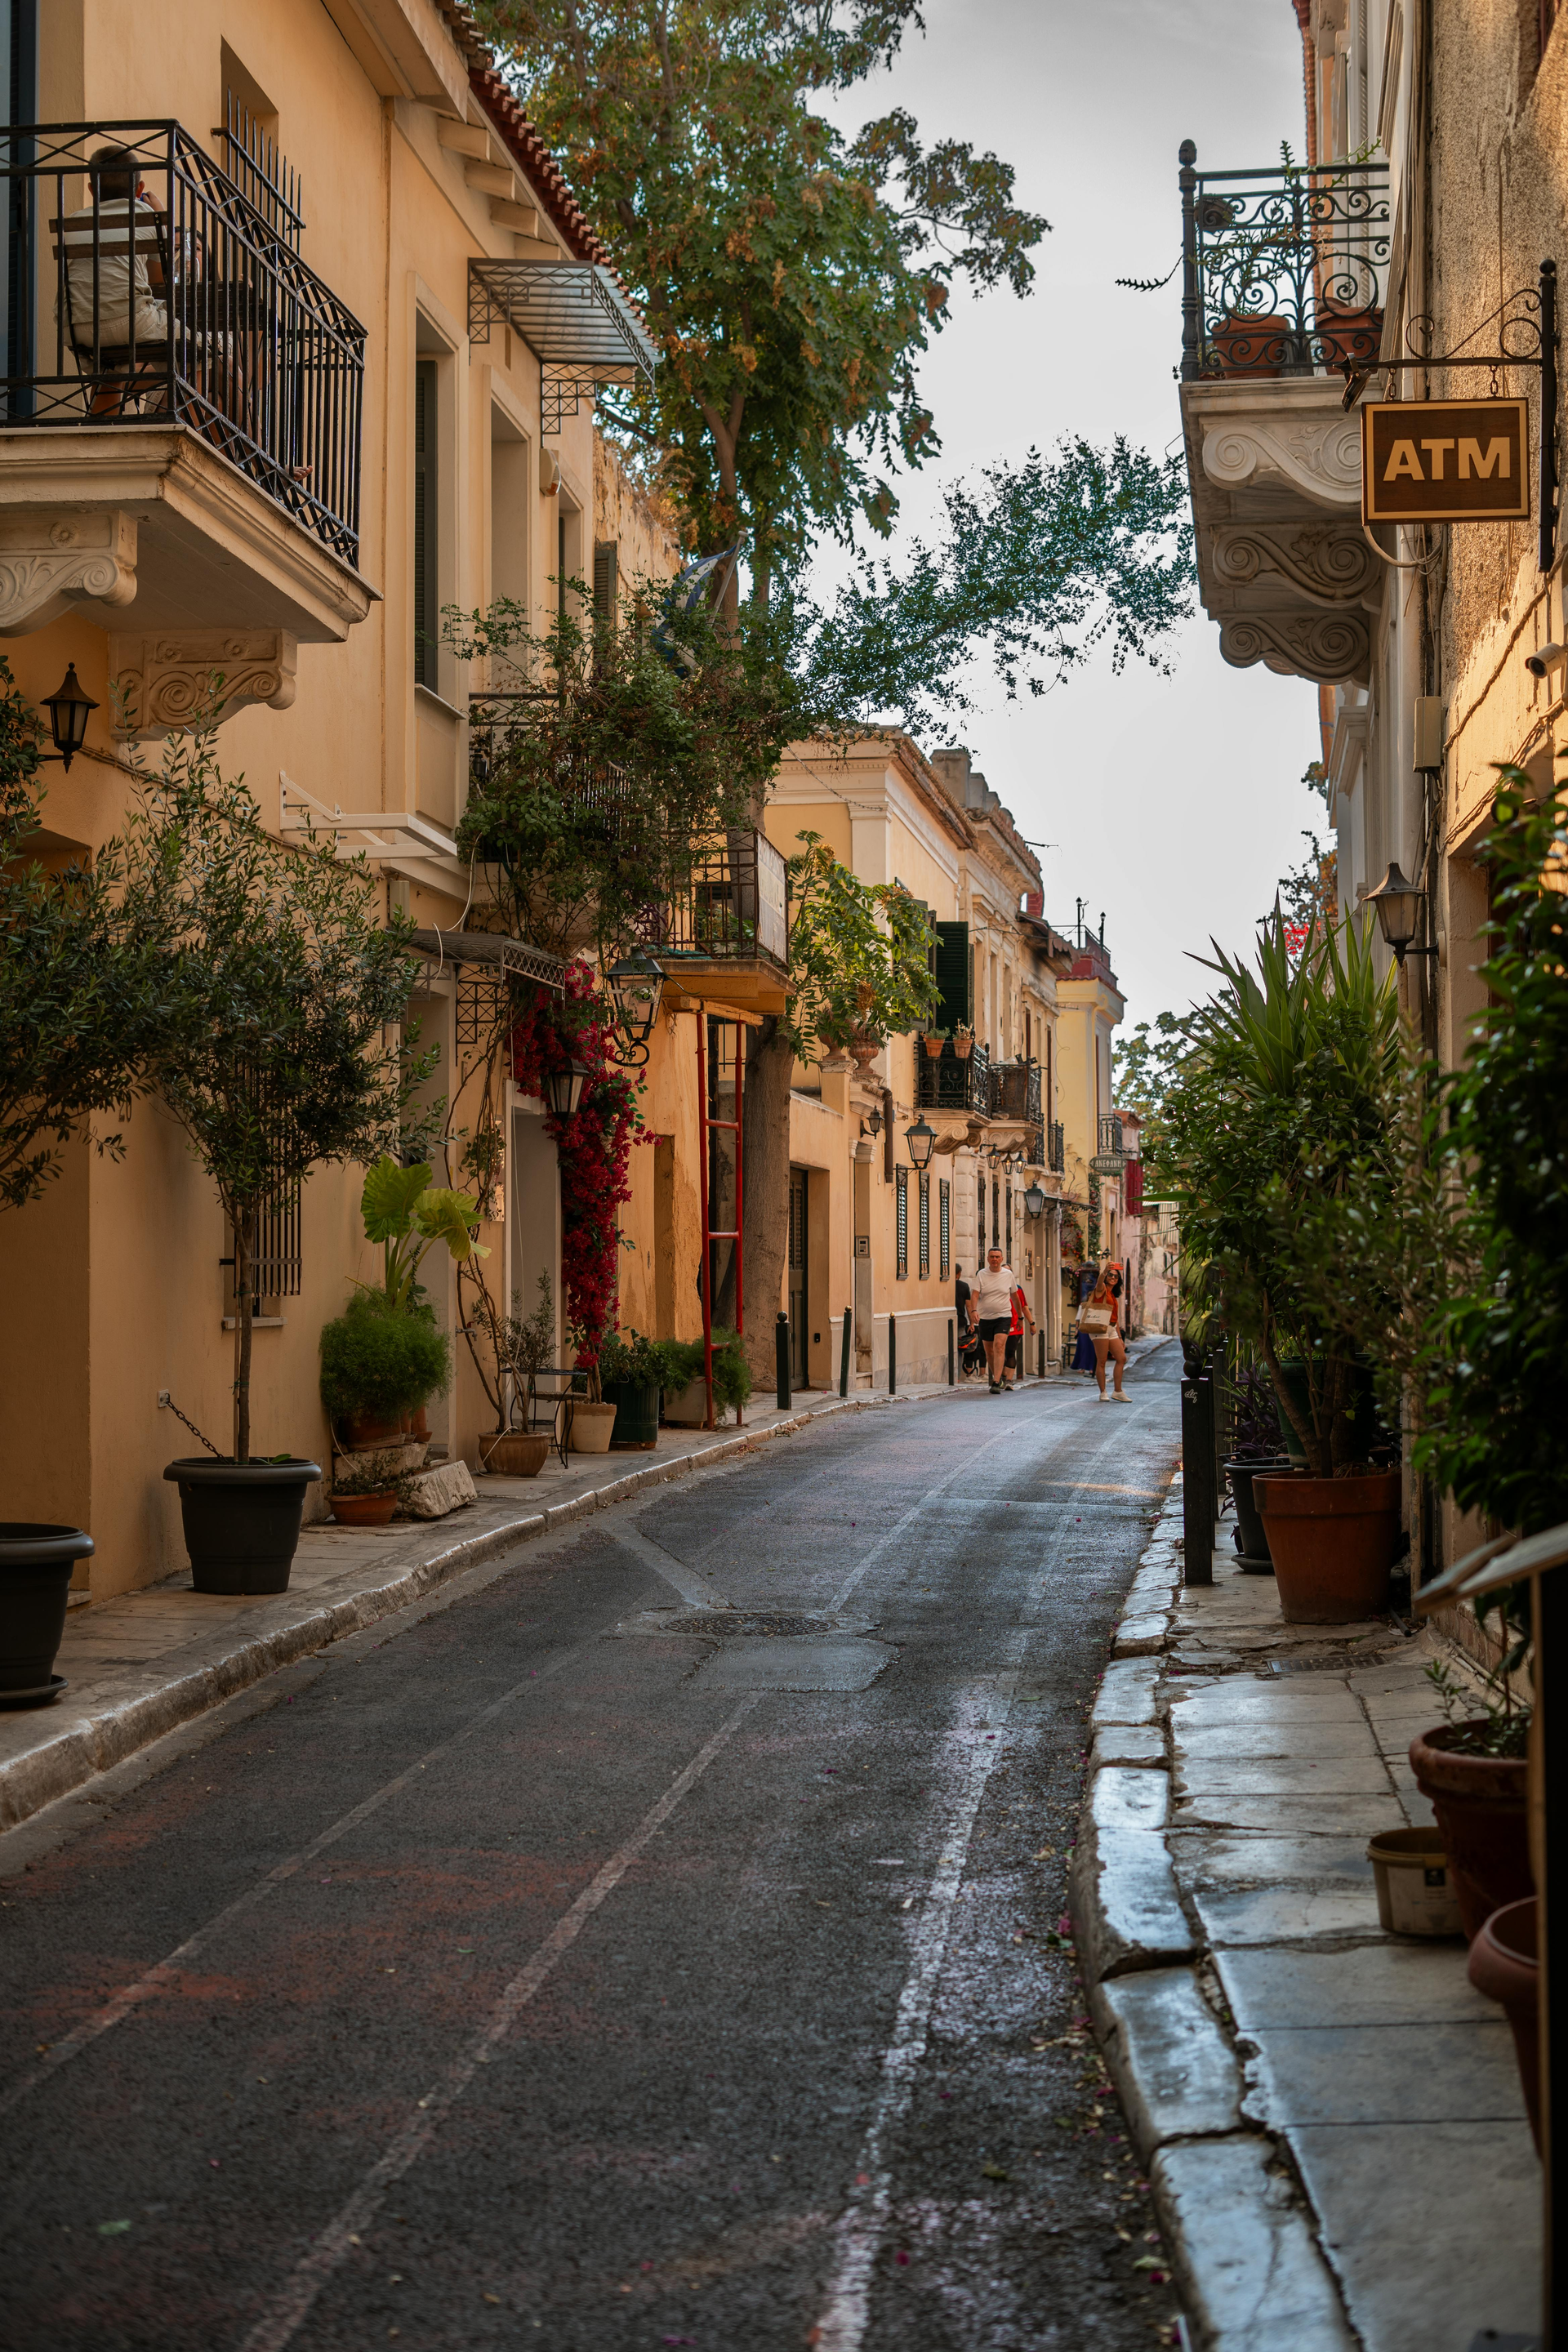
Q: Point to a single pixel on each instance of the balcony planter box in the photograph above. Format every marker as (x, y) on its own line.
(515, 1454)
(1481, 1803)
(1505, 1965)
(591, 1426)
(636, 1414)
(1332, 1542)
(241, 1520)
(1250, 347)
(36, 1563)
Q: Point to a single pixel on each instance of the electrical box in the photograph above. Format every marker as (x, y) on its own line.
(1429, 715)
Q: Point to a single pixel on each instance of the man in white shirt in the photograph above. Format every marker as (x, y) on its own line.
(993, 1302)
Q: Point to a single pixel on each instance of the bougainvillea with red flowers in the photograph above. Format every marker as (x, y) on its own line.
(594, 1145)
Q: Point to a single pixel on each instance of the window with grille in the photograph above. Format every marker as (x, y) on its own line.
(944, 1225)
(901, 1194)
(278, 1267)
(426, 590)
(925, 1224)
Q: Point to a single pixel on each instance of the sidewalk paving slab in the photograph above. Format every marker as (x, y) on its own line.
(1379, 2095)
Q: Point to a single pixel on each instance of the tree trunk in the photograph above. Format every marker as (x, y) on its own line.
(244, 1258)
(765, 1120)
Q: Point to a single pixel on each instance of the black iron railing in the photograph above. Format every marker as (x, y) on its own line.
(164, 296)
(1015, 1091)
(1081, 933)
(952, 1081)
(1111, 1144)
(734, 907)
(1055, 1148)
(1283, 271)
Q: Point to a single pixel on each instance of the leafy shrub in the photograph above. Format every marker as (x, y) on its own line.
(732, 1373)
(632, 1361)
(376, 1362)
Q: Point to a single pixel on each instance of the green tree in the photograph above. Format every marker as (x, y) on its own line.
(79, 988)
(859, 956)
(792, 277)
(279, 981)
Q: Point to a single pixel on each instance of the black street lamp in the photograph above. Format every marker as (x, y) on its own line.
(67, 707)
(565, 1088)
(1034, 1201)
(922, 1141)
(1398, 905)
(636, 985)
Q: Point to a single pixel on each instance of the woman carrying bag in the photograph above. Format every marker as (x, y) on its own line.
(1099, 1316)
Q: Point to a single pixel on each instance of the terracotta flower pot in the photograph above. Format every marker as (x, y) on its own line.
(371, 1433)
(1505, 1967)
(592, 1425)
(1332, 1542)
(1347, 333)
(933, 1046)
(962, 1048)
(1481, 1803)
(518, 1453)
(1251, 347)
(363, 1510)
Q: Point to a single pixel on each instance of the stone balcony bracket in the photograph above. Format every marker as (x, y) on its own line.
(162, 683)
(52, 559)
(1283, 564)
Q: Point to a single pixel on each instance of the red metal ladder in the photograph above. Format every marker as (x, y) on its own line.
(708, 1127)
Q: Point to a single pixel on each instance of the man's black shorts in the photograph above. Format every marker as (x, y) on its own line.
(995, 1326)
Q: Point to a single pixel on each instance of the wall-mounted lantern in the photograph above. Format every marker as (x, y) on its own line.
(922, 1141)
(1398, 905)
(636, 985)
(67, 707)
(565, 1088)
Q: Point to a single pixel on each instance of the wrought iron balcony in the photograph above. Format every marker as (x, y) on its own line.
(1015, 1091)
(148, 288)
(951, 1082)
(1055, 1148)
(733, 910)
(1284, 270)
(1110, 1137)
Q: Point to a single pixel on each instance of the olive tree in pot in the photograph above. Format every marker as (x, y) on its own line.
(78, 1007)
(280, 981)
(1278, 1144)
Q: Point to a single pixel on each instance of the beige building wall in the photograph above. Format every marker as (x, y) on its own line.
(407, 176)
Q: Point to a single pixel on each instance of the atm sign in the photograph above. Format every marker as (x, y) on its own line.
(1444, 461)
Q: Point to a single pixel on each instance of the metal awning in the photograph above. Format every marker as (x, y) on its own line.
(493, 951)
(575, 319)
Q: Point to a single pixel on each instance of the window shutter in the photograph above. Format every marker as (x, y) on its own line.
(925, 1224)
(426, 597)
(953, 976)
(944, 1225)
(606, 581)
(901, 1191)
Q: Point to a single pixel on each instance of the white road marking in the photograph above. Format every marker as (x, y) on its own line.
(279, 2324)
(164, 1973)
(689, 1582)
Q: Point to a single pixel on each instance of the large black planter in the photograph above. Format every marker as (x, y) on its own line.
(242, 1520)
(36, 1563)
(636, 1413)
(1254, 1536)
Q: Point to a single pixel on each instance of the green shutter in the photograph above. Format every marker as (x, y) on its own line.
(953, 976)
(426, 599)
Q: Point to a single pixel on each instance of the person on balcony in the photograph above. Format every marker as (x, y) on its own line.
(994, 1288)
(114, 276)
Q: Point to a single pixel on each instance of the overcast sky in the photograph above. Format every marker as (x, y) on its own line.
(1175, 802)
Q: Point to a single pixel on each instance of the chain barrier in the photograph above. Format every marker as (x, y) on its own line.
(191, 1425)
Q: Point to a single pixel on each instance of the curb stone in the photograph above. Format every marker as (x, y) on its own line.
(1252, 2273)
(91, 1743)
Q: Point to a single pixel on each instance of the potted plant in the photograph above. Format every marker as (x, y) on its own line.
(1255, 1447)
(522, 1347)
(962, 1041)
(933, 1041)
(1279, 1136)
(686, 1399)
(377, 1363)
(1472, 1769)
(591, 1420)
(279, 981)
(366, 1492)
(632, 1374)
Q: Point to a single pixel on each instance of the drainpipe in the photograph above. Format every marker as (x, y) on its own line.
(888, 1137)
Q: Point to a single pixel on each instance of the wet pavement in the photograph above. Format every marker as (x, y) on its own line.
(657, 1941)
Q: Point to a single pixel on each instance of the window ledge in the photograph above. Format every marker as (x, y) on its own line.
(423, 693)
(259, 1322)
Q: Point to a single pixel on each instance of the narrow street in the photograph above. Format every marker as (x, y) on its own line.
(548, 1968)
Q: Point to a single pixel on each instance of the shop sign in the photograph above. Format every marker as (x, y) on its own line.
(1444, 461)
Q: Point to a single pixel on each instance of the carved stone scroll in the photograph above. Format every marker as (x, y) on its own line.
(170, 680)
(1325, 646)
(55, 559)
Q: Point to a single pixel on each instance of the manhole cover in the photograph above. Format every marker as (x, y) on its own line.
(742, 1624)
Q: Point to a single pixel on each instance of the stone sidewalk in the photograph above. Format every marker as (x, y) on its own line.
(142, 1664)
(1331, 2116)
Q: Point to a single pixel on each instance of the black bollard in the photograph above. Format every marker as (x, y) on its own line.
(1197, 1501)
(781, 1352)
(892, 1355)
(844, 1359)
(952, 1358)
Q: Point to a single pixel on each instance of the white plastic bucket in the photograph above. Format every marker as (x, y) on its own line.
(1415, 1888)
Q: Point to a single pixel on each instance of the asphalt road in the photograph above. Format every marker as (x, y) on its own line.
(548, 1968)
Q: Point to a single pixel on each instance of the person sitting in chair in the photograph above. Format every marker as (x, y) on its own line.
(114, 279)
